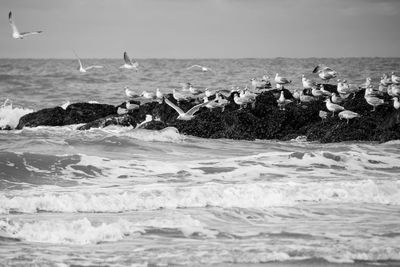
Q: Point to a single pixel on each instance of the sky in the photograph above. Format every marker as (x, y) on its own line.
(202, 28)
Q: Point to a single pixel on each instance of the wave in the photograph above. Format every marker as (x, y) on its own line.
(84, 231)
(9, 116)
(158, 196)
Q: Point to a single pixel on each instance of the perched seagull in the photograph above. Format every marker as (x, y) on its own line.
(395, 78)
(203, 69)
(186, 116)
(317, 93)
(221, 101)
(129, 64)
(336, 98)
(130, 106)
(210, 104)
(179, 96)
(282, 101)
(129, 93)
(396, 103)
(374, 101)
(82, 69)
(307, 83)
(185, 86)
(194, 90)
(333, 107)
(395, 89)
(159, 94)
(148, 95)
(366, 84)
(325, 92)
(306, 98)
(281, 80)
(259, 84)
(386, 80)
(325, 73)
(16, 34)
(122, 111)
(63, 106)
(348, 115)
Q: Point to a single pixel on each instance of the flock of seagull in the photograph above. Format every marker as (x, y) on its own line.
(311, 90)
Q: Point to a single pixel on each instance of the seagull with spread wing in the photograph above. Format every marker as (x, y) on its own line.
(16, 34)
(188, 115)
(82, 69)
(129, 64)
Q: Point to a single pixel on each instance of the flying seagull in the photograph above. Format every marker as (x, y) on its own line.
(16, 34)
(129, 64)
(186, 116)
(204, 69)
(82, 69)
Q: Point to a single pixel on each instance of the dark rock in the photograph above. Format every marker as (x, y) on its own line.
(86, 112)
(75, 113)
(263, 120)
(44, 117)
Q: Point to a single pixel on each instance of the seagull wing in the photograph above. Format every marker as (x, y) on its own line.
(94, 67)
(80, 63)
(127, 59)
(195, 66)
(178, 109)
(196, 108)
(14, 28)
(23, 34)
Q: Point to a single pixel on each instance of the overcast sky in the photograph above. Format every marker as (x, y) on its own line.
(202, 28)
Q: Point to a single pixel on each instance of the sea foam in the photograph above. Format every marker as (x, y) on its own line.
(10, 116)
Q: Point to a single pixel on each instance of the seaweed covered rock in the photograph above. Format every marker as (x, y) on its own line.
(261, 120)
(44, 117)
(74, 113)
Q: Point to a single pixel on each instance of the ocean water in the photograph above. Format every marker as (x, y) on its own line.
(120, 196)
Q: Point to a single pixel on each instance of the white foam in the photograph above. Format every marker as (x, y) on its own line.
(10, 116)
(156, 196)
(79, 232)
(84, 231)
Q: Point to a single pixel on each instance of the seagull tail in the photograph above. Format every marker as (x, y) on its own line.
(316, 69)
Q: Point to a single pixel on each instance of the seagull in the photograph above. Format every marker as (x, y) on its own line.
(179, 96)
(221, 101)
(307, 83)
(16, 34)
(203, 69)
(374, 101)
(186, 116)
(281, 80)
(348, 115)
(82, 69)
(366, 84)
(129, 64)
(122, 111)
(129, 93)
(130, 106)
(159, 94)
(259, 84)
(336, 98)
(325, 73)
(396, 103)
(333, 107)
(210, 104)
(282, 101)
(395, 78)
(148, 95)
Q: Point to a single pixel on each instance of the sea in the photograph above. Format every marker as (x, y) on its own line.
(120, 196)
